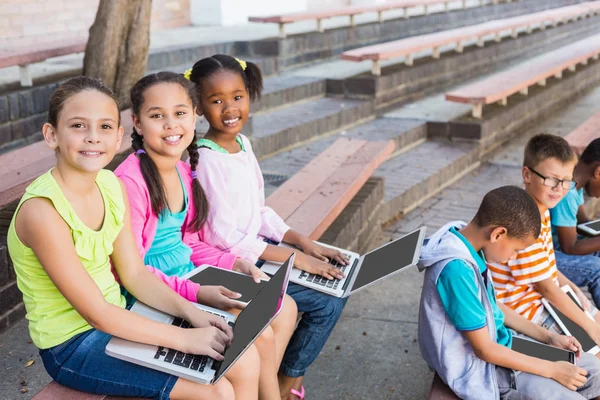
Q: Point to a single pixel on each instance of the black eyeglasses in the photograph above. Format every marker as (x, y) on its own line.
(554, 182)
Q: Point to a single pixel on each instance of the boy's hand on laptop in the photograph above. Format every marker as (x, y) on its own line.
(565, 342)
(219, 297)
(246, 267)
(314, 266)
(323, 253)
(568, 375)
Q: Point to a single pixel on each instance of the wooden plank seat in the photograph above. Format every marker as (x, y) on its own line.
(584, 134)
(24, 56)
(316, 195)
(54, 391)
(352, 11)
(409, 46)
(518, 79)
(20, 167)
(440, 391)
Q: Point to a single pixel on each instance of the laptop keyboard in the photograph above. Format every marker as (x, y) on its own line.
(320, 280)
(192, 361)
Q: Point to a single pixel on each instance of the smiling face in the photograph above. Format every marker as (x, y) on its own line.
(166, 120)
(225, 102)
(551, 168)
(85, 137)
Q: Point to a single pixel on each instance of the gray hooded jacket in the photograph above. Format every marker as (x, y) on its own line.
(444, 348)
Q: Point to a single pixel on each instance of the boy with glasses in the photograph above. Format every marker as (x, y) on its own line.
(578, 257)
(521, 282)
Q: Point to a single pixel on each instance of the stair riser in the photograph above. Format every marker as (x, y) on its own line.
(294, 136)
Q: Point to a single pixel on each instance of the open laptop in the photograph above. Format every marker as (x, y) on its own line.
(569, 327)
(251, 322)
(540, 350)
(361, 271)
(232, 280)
(591, 228)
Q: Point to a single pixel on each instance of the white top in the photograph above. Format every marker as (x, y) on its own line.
(238, 219)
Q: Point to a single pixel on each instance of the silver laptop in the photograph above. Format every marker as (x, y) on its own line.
(251, 322)
(361, 271)
(591, 228)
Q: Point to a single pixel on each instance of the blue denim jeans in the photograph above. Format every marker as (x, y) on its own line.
(582, 270)
(80, 363)
(320, 314)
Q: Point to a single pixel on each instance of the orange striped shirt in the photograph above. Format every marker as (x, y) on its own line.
(514, 280)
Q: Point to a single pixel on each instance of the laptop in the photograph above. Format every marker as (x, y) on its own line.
(248, 325)
(232, 280)
(591, 228)
(571, 328)
(362, 271)
(541, 350)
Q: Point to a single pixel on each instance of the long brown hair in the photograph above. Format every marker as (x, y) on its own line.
(158, 197)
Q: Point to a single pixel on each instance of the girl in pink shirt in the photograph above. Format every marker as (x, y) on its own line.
(169, 207)
(239, 221)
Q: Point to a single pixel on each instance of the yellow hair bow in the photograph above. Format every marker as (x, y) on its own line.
(187, 74)
(242, 63)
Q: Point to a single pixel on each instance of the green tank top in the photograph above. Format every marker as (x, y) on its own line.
(52, 319)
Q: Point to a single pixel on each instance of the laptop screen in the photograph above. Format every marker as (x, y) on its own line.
(594, 225)
(257, 315)
(575, 330)
(388, 259)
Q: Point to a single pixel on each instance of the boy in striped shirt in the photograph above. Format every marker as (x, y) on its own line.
(523, 281)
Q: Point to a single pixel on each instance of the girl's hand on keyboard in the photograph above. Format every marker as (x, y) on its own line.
(246, 267)
(219, 297)
(202, 319)
(314, 266)
(323, 253)
(209, 341)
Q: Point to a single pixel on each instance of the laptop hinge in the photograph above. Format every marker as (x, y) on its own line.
(350, 276)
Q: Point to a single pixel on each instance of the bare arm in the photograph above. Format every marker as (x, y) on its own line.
(570, 244)
(517, 322)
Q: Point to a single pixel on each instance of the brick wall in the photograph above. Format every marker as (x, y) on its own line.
(11, 305)
(24, 22)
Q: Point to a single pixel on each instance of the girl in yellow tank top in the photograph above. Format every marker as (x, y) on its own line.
(72, 222)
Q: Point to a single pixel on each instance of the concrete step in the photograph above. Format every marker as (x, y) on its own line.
(279, 167)
(288, 127)
(414, 176)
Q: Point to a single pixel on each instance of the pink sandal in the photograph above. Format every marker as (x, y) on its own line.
(300, 393)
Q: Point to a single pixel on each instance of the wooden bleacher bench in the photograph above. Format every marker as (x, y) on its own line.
(23, 57)
(409, 46)
(584, 134)
(352, 11)
(440, 391)
(20, 167)
(54, 391)
(498, 87)
(316, 195)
